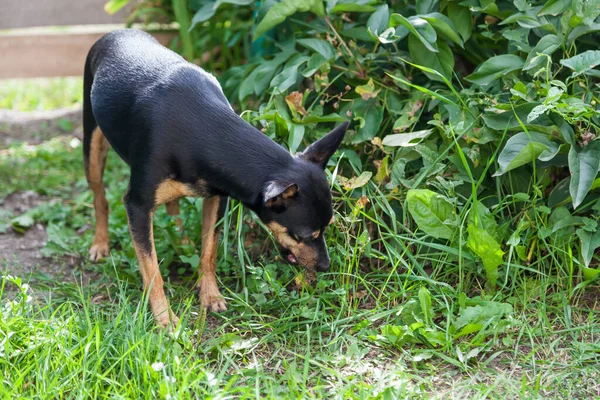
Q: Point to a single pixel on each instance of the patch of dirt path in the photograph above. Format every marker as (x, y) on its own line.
(21, 253)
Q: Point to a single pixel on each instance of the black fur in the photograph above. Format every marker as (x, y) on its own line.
(169, 119)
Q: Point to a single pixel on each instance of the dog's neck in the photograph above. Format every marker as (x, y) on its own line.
(243, 159)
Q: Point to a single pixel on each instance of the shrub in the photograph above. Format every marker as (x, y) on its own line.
(474, 122)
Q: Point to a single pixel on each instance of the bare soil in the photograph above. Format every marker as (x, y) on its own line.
(21, 253)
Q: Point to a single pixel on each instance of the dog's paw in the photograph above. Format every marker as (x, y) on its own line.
(99, 251)
(167, 320)
(213, 302)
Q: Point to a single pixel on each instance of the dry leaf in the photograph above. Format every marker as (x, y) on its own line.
(367, 91)
(294, 102)
(363, 201)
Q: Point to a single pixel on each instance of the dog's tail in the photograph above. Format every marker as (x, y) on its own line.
(89, 122)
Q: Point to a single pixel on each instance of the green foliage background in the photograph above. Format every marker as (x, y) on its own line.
(474, 122)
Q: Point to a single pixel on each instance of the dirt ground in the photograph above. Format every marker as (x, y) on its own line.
(21, 253)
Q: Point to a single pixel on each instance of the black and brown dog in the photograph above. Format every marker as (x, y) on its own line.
(170, 121)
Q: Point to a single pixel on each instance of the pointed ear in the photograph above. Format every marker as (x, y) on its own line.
(277, 194)
(320, 151)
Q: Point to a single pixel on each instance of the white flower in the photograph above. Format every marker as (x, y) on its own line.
(158, 366)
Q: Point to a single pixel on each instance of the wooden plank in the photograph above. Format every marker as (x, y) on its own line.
(50, 55)
(30, 13)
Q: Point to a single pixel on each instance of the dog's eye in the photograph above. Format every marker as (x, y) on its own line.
(296, 237)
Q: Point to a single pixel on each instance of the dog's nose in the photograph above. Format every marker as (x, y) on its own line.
(323, 265)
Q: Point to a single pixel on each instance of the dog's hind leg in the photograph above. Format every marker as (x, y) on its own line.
(94, 162)
(210, 296)
(95, 148)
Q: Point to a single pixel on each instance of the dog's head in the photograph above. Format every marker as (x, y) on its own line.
(297, 203)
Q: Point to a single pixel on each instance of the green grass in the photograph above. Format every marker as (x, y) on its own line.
(40, 94)
(395, 317)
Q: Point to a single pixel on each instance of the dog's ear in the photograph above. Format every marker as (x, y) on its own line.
(320, 151)
(277, 195)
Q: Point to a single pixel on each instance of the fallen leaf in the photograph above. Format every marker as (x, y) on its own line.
(355, 182)
(363, 201)
(294, 102)
(367, 91)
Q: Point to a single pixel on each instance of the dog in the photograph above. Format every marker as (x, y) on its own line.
(169, 120)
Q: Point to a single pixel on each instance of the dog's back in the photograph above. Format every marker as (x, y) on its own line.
(132, 75)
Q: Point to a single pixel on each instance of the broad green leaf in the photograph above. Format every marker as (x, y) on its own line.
(555, 7)
(508, 119)
(462, 19)
(207, 11)
(580, 31)
(444, 26)
(582, 62)
(194, 260)
(425, 6)
(320, 46)
(370, 115)
(280, 11)
(290, 74)
(406, 139)
(586, 11)
(22, 221)
(547, 45)
(379, 21)
(583, 165)
(358, 33)
(524, 20)
(352, 7)
(560, 193)
(295, 138)
(442, 61)
(482, 313)
(418, 27)
(432, 213)
(382, 170)
(281, 128)
(311, 119)
(495, 68)
(524, 148)
(315, 62)
(425, 301)
(483, 245)
(589, 243)
(485, 219)
(590, 273)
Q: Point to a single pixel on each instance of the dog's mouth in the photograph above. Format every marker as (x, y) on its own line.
(290, 257)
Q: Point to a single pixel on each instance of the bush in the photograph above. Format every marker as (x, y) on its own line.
(474, 122)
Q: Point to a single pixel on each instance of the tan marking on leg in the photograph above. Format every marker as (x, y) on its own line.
(170, 190)
(306, 255)
(153, 281)
(94, 173)
(173, 210)
(210, 296)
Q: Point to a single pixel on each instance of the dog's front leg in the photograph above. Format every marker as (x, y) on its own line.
(142, 236)
(210, 296)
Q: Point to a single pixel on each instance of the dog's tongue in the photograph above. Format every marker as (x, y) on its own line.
(292, 258)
